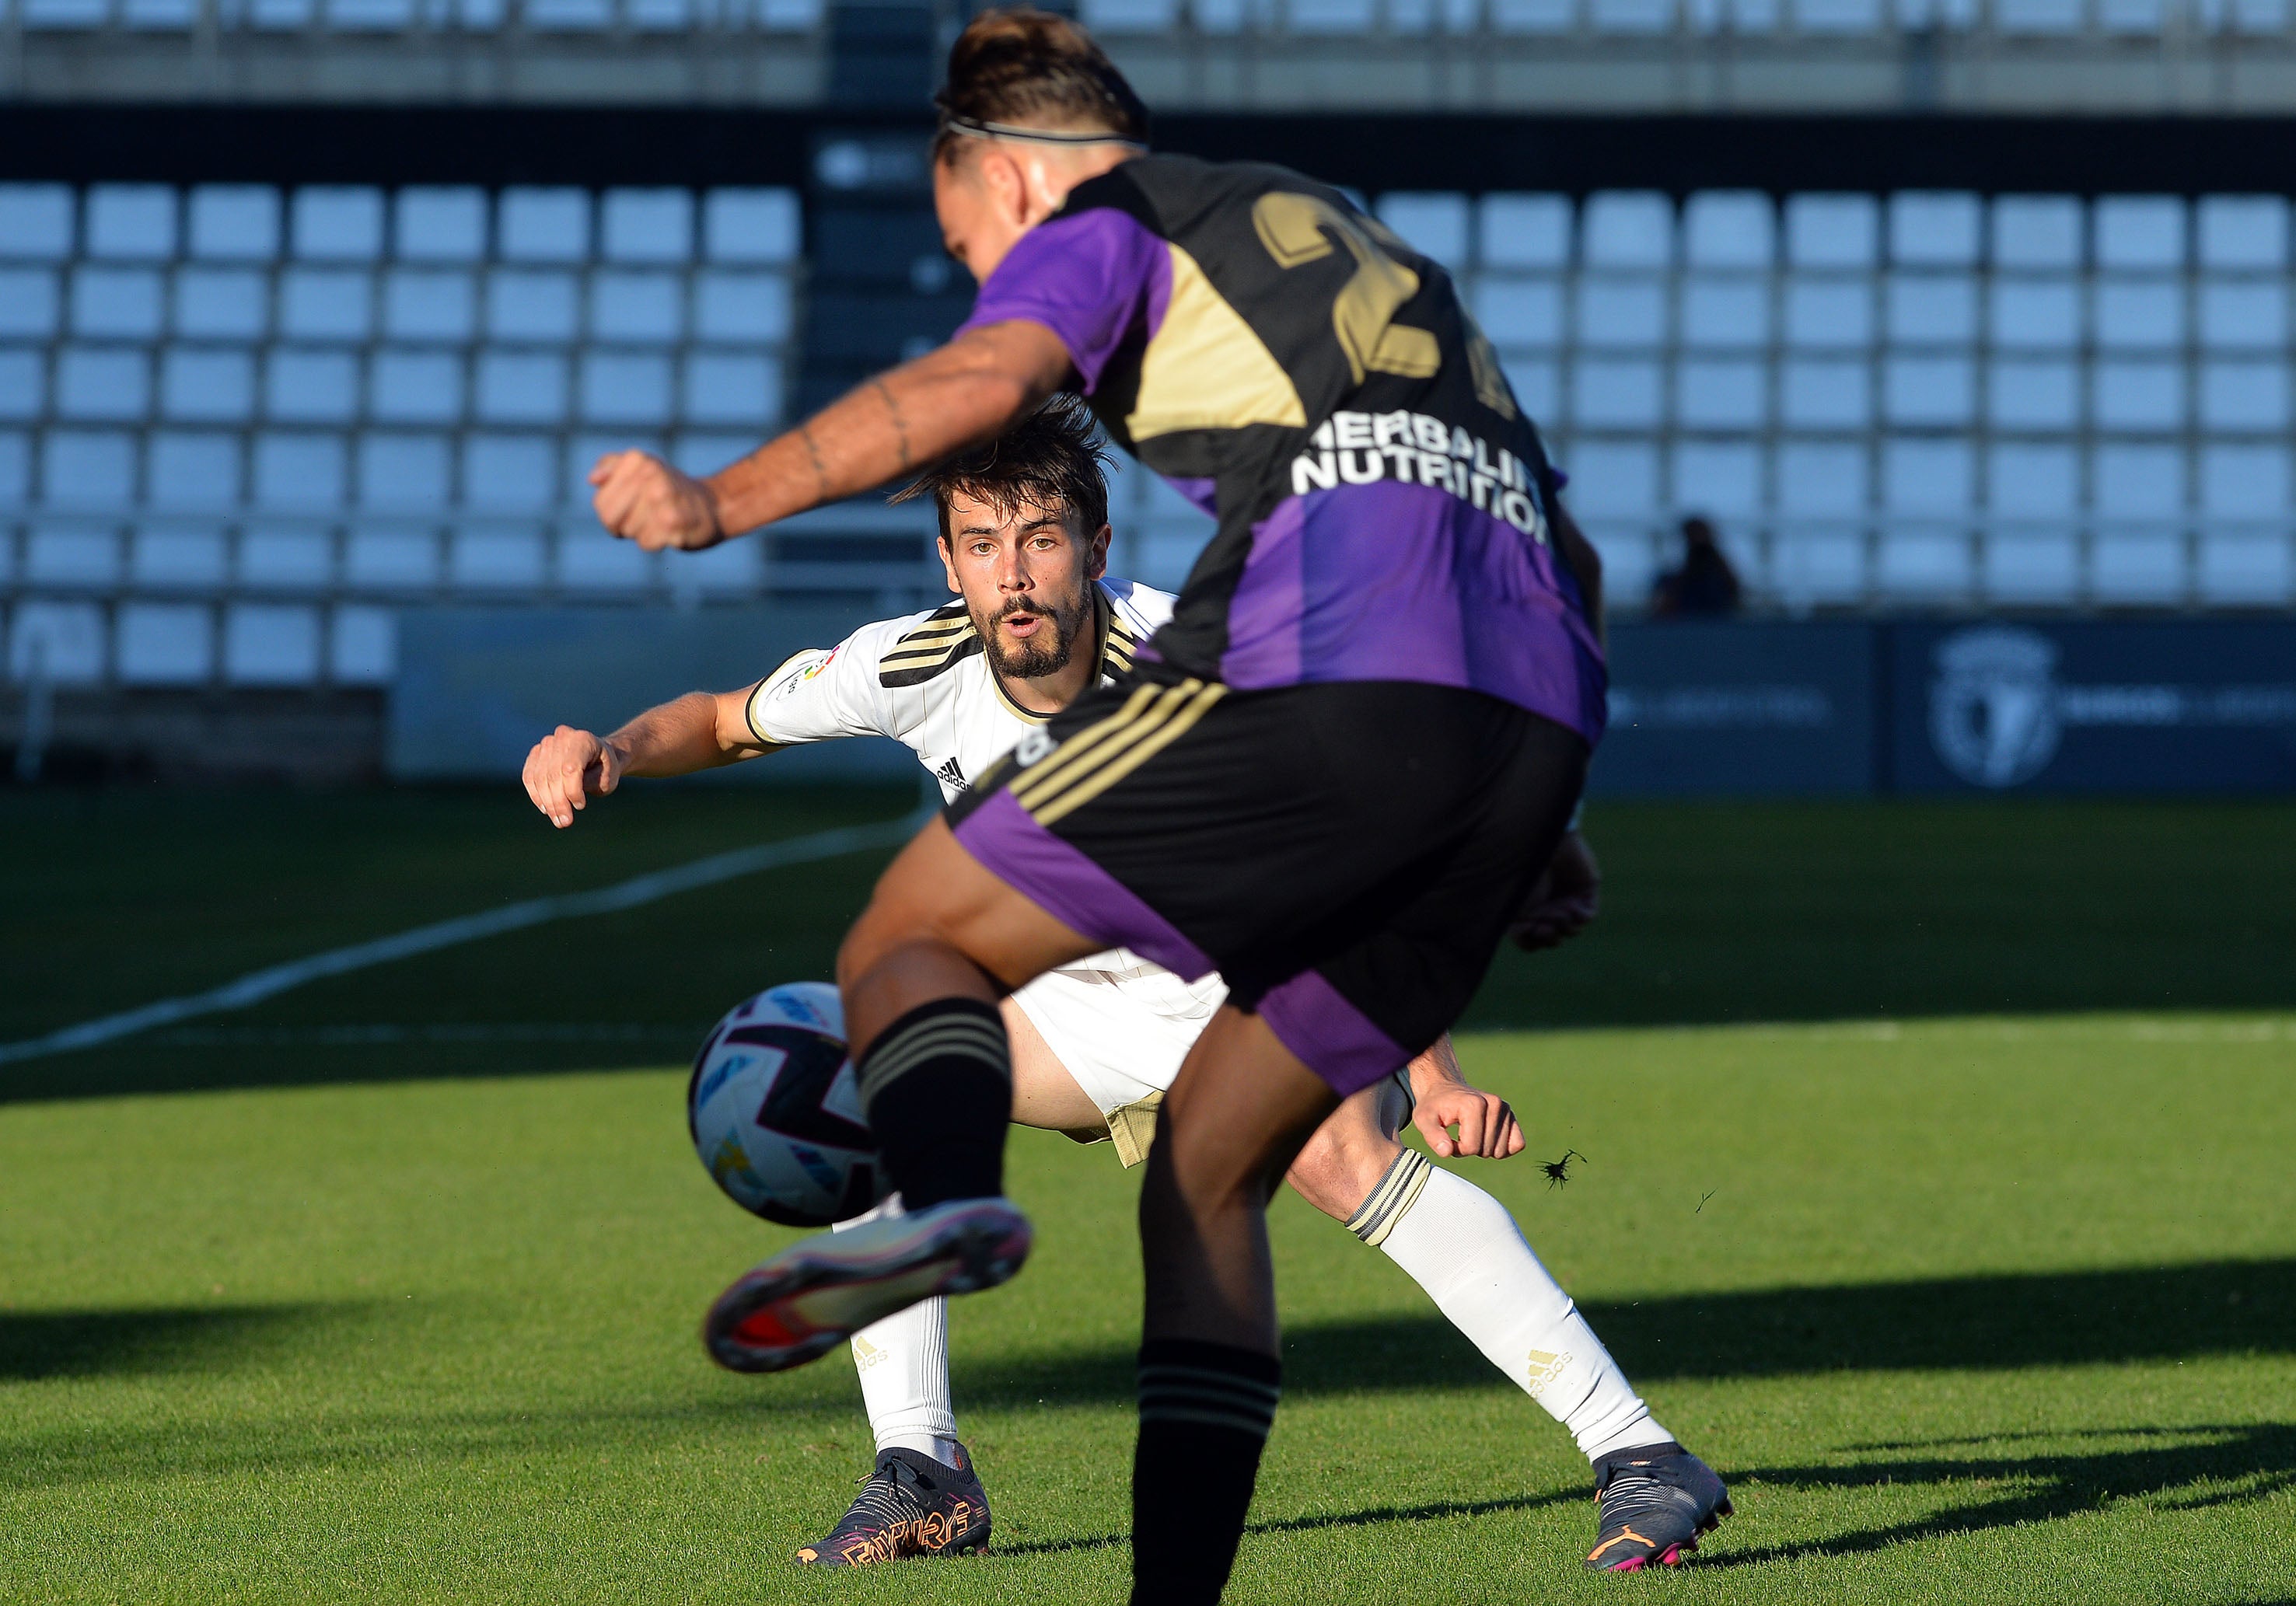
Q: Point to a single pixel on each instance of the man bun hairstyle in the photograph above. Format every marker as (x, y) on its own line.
(1023, 67)
(1051, 458)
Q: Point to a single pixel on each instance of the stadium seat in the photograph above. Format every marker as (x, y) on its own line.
(531, 307)
(430, 304)
(1726, 314)
(206, 385)
(414, 386)
(1819, 566)
(1613, 480)
(271, 644)
(1928, 476)
(736, 568)
(2245, 481)
(1936, 391)
(2244, 570)
(2244, 232)
(2243, 314)
(87, 468)
(1924, 566)
(2138, 568)
(63, 642)
(1615, 394)
(625, 387)
(23, 385)
(731, 388)
(440, 225)
(490, 558)
(307, 386)
(1537, 384)
(521, 387)
(300, 470)
(30, 307)
(1821, 478)
(2035, 315)
(337, 223)
(2129, 17)
(221, 304)
(1524, 231)
(72, 555)
(192, 470)
(2037, 231)
(330, 304)
(2140, 232)
(1630, 563)
(168, 557)
(2033, 395)
(1619, 312)
(16, 470)
(1828, 314)
(2033, 480)
(1628, 228)
(384, 558)
(1631, 16)
(638, 308)
(103, 384)
(647, 225)
(2134, 481)
(742, 308)
(235, 222)
(2038, 16)
(1826, 394)
(1722, 479)
(36, 222)
(116, 303)
(1721, 395)
(589, 559)
(744, 227)
(2028, 569)
(511, 473)
(1838, 16)
(536, 224)
(284, 558)
(1519, 312)
(1130, 16)
(1935, 228)
(131, 222)
(403, 472)
(1931, 309)
(2139, 314)
(362, 646)
(1734, 229)
(2242, 398)
(1437, 226)
(2138, 396)
(163, 644)
(1833, 232)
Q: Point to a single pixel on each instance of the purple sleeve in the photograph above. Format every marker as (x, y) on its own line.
(1092, 278)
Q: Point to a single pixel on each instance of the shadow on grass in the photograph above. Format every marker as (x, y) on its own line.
(2230, 1466)
(38, 1345)
(2036, 1319)
(1431, 1510)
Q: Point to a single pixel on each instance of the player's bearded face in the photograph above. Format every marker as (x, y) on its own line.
(1041, 648)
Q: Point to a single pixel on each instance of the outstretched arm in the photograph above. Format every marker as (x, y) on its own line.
(953, 396)
(699, 730)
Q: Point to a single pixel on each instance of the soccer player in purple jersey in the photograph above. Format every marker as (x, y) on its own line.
(1338, 775)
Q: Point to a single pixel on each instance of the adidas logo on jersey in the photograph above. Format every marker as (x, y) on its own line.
(950, 774)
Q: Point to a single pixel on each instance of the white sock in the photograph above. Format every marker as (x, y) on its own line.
(903, 1360)
(1460, 1244)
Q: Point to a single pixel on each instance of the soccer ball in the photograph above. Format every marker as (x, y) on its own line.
(775, 1113)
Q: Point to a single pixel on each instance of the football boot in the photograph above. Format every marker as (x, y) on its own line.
(1654, 1501)
(912, 1505)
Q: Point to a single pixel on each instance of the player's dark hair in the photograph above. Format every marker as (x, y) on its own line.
(1052, 457)
(1021, 67)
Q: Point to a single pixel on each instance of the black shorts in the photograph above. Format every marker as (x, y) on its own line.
(1348, 854)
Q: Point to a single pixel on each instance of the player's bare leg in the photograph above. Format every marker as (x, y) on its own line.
(1237, 1114)
(941, 941)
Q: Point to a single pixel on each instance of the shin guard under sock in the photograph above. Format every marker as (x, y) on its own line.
(938, 1086)
(1205, 1410)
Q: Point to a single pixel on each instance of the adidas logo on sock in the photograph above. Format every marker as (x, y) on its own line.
(1546, 1366)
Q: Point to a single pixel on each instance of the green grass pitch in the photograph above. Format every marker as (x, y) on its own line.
(1938, 1190)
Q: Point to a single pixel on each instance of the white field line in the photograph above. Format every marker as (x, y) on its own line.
(257, 986)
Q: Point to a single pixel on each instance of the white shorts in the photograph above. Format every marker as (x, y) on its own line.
(1120, 1024)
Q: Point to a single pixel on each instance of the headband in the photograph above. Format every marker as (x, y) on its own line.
(974, 127)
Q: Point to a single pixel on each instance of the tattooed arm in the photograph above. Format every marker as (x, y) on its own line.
(953, 396)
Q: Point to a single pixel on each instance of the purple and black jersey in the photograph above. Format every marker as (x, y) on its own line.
(1300, 373)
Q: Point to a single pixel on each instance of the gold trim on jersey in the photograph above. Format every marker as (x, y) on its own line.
(1206, 368)
(1110, 749)
(944, 640)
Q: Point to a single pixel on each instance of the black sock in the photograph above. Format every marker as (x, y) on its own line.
(937, 1085)
(1205, 1410)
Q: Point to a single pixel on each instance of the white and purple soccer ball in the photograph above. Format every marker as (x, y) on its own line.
(775, 1113)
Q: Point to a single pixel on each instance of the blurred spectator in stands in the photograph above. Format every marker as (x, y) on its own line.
(1704, 586)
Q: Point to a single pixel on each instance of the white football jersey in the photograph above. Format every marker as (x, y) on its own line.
(924, 680)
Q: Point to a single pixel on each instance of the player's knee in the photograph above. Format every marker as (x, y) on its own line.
(1336, 1173)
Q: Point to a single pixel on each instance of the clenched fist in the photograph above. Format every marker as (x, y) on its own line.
(1486, 1125)
(640, 498)
(568, 767)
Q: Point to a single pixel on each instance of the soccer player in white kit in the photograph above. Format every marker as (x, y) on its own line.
(1096, 1042)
